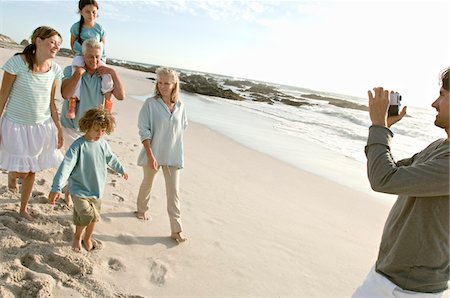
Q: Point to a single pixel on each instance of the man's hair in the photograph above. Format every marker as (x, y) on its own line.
(445, 80)
(167, 71)
(91, 43)
(97, 117)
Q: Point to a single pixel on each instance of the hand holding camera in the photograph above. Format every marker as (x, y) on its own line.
(394, 103)
(384, 107)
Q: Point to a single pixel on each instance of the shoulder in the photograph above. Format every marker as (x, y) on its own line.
(99, 27)
(79, 141)
(103, 143)
(13, 64)
(67, 72)
(57, 69)
(152, 100)
(77, 144)
(180, 103)
(75, 27)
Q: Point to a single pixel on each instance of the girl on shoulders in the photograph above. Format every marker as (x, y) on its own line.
(88, 28)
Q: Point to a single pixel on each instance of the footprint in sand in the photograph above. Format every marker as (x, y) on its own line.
(41, 181)
(120, 199)
(36, 193)
(116, 265)
(159, 272)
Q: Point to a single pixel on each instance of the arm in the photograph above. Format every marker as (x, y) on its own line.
(425, 179)
(7, 83)
(65, 169)
(73, 38)
(55, 116)
(114, 163)
(429, 178)
(152, 163)
(146, 133)
(119, 90)
(68, 85)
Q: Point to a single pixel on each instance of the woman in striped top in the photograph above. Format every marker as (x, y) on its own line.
(30, 131)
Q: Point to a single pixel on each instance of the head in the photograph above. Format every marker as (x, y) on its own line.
(43, 39)
(92, 50)
(88, 10)
(441, 104)
(96, 122)
(167, 84)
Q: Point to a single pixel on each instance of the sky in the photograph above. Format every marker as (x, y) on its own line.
(345, 47)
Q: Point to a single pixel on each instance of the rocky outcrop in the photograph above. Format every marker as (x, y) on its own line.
(337, 102)
(7, 40)
(206, 85)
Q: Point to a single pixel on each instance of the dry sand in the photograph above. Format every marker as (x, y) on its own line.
(256, 226)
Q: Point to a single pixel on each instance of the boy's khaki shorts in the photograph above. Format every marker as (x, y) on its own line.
(85, 210)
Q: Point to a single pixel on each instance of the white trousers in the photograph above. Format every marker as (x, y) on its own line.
(377, 286)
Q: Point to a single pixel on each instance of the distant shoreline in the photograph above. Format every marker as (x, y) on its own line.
(218, 85)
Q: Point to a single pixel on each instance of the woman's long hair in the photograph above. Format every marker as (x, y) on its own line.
(29, 51)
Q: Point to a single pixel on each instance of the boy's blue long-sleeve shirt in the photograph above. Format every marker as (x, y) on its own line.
(85, 167)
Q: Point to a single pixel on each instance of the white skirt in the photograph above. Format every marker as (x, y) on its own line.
(28, 148)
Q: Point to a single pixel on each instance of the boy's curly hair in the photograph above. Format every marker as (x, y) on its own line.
(97, 117)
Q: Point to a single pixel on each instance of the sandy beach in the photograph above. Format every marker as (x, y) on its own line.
(256, 226)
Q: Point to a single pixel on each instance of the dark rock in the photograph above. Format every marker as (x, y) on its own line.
(24, 43)
(204, 84)
(337, 102)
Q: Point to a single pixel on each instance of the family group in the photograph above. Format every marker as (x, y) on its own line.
(33, 133)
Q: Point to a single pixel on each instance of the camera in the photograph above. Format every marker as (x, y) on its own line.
(394, 103)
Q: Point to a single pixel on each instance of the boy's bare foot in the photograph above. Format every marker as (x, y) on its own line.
(178, 237)
(68, 199)
(26, 215)
(141, 215)
(12, 183)
(76, 246)
(90, 244)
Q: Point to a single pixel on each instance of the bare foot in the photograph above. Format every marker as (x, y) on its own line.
(68, 199)
(76, 246)
(141, 215)
(12, 183)
(26, 215)
(90, 244)
(178, 237)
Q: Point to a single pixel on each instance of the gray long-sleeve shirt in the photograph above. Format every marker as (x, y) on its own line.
(414, 250)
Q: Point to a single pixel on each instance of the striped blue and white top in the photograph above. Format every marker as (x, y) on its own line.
(29, 98)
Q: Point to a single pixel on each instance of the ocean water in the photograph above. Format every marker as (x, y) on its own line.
(322, 139)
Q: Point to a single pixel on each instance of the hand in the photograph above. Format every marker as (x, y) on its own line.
(80, 70)
(102, 70)
(125, 176)
(394, 119)
(152, 163)
(378, 106)
(60, 138)
(53, 197)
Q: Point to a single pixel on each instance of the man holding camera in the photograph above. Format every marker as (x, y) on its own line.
(413, 258)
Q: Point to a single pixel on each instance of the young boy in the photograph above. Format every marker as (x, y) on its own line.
(85, 167)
